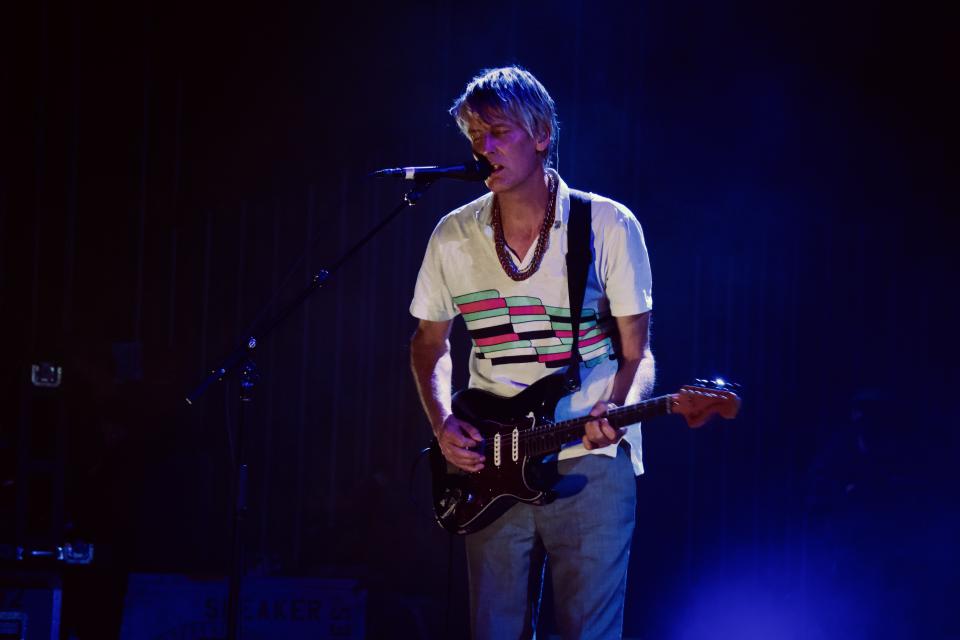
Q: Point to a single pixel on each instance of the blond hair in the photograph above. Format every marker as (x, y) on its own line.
(513, 93)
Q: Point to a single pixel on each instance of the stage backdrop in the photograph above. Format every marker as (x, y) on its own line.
(174, 173)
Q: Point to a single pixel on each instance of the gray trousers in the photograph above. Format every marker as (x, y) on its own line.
(584, 534)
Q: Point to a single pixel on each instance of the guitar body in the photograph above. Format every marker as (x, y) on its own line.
(466, 502)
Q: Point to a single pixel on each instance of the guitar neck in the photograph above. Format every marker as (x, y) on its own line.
(551, 437)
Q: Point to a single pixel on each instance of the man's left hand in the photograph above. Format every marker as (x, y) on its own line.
(600, 433)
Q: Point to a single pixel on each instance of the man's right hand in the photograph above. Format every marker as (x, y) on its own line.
(461, 444)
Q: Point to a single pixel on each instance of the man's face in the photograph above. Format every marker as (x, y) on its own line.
(507, 146)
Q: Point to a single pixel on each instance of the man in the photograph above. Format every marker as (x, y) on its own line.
(500, 263)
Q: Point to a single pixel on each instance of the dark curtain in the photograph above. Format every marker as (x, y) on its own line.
(174, 173)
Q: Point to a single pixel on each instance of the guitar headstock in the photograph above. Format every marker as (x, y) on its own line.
(698, 403)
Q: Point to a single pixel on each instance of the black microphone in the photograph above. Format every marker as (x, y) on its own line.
(475, 171)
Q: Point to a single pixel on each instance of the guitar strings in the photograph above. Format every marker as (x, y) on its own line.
(553, 428)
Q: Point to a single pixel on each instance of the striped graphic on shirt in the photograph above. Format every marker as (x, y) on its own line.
(520, 329)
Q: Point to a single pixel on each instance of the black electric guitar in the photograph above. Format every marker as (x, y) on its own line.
(518, 432)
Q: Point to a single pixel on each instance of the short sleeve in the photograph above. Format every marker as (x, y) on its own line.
(624, 262)
(431, 296)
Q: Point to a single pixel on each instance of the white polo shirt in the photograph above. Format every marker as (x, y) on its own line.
(521, 330)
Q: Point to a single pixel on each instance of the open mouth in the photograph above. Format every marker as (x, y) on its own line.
(496, 167)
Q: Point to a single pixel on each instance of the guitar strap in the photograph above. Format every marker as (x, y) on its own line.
(579, 260)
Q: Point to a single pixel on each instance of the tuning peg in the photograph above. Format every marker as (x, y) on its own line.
(719, 384)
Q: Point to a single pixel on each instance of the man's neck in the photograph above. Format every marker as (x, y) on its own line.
(524, 206)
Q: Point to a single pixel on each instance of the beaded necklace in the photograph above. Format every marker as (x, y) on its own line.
(542, 239)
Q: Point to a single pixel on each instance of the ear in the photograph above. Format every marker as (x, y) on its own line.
(543, 140)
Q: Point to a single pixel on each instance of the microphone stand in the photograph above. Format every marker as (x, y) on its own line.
(241, 359)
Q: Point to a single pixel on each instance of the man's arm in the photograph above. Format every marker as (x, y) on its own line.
(635, 378)
(633, 382)
(432, 368)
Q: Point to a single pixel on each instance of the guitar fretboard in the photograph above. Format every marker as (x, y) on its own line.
(548, 438)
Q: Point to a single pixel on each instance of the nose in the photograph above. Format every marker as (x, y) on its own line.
(486, 143)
